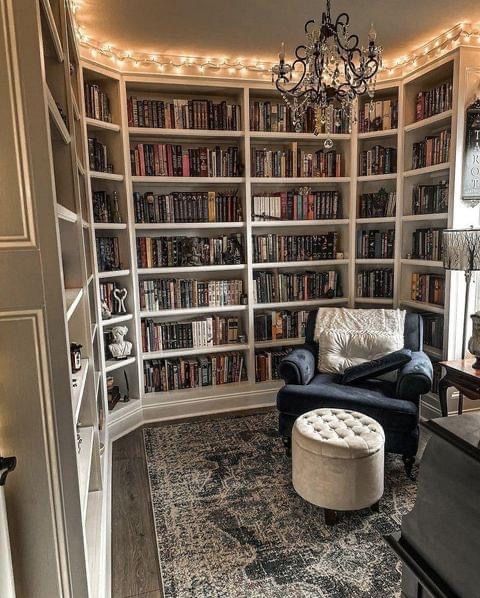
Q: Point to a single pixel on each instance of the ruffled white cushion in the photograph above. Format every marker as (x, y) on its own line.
(348, 337)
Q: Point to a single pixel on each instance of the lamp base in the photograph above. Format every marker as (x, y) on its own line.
(476, 363)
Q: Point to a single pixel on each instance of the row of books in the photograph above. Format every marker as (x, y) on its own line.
(375, 244)
(434, 101)
(277, 117)
(275, 325)
(297, 205)
(97, 104)
(157, 252)
(433, 330)
(378, 160)
(97, 156)
(108, 254)
(196, 206)
(163, 375)
(165, 159)
(434, 149)
(269, 287)
(106, 207)
(294, 248)
(427, 244)
(380, 115)
(296, 163)
(202, 333)
(430, 199)
(173, 293)
(267, 362)
(375, 283)
(106, 295)
(428, 288)
(183, 114)
(377, 205)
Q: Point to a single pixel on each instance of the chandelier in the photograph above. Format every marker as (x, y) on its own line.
(329, 73)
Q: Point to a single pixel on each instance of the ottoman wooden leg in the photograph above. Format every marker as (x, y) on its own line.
(376, 507)
(330, 516)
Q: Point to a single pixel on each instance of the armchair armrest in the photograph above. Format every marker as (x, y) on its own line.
(299, 366)
(415, 378)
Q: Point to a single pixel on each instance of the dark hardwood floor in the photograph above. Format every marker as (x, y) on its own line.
(135, 568)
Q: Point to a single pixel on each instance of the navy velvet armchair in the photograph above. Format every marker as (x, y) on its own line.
(395, 405)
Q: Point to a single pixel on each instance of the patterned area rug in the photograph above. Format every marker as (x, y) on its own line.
(229, 524)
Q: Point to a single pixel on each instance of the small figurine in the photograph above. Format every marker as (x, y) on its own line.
(120, 348)
(119, 296)
(106, 312)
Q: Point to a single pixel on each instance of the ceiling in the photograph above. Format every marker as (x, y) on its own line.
(254, 29)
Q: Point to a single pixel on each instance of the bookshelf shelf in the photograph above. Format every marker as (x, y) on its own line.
(305, 303)
(299, 180)
(375, 134)
(424, 217)
(84, 459)
(65, 214)
(275, 135)
(422, 263)
(374, 260)
(114, 274)
(78, 390)
(433, 351)
(56, 118)
(302, 264)
(377, 177)
(195, 351)
(375, 300)
(72, 299)
(189, 225)
(280, 342)
(199, 393)
(437, 119)
(421, 306)
(114, 320)
(418, 172)
(179, 180)
(53, 31)
(110, 226)
(185, 133)
(295, 223)
(105, 176)
(112, 365)
(94, 123)
(192, 311)
(185, 269)
(382, 220)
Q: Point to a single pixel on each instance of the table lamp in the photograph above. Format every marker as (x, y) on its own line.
(461, 251)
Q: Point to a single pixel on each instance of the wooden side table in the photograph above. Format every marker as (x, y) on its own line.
(464, 378)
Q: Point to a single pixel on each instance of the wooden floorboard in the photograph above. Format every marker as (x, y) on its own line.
(135, 568)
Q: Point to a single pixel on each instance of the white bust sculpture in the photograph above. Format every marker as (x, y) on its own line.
(120, 348)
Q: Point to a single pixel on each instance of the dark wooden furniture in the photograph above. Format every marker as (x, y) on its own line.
(464, 378)
(439, 542)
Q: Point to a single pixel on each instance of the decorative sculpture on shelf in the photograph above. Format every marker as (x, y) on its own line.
(106, 312)
(474, 342)
(120, 348)
(119, 296)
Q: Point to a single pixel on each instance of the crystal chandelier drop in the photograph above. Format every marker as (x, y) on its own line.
(329, 73)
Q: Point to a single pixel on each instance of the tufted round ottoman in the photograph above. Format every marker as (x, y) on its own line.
(337, 460)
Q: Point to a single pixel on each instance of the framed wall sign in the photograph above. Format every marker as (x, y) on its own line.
(471, 168)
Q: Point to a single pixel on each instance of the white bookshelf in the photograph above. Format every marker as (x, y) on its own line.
(351, 185)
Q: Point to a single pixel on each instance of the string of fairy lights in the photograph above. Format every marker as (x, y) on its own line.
(460, 34)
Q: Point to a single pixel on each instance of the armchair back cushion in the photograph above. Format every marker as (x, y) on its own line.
(413, 333)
